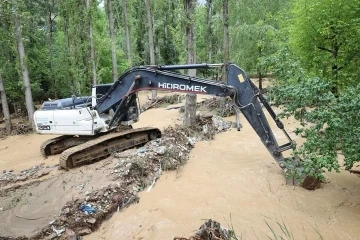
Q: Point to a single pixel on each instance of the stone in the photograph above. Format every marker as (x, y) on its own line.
(51, 236)
(91, 220)
(42, 173)
(66, 210)
(84, 231)
(142, 150)
(310, 183)
(22, 178)
(117, 198)
(160, 150)
(69, 235)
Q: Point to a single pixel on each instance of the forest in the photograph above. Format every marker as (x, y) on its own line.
(55, 49)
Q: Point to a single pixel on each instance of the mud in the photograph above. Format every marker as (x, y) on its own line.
(121, 178)
(231, 179)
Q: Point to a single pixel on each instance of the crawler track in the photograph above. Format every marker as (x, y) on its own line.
(103, 146)
(59, 144)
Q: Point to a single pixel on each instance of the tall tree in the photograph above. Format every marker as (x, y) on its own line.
(50, 26)
(226, 48)
(325, 34)
(209, 29)
(92, 46)
(190, 104)
(112, 38)
(23, 66)
(5, 107)
(151, 38)
(127, 32)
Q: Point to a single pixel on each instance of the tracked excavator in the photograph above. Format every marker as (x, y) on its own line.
(93, 127)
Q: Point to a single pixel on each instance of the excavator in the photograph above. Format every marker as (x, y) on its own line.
(93, 127)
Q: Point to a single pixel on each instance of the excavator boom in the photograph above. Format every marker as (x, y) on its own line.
(94, 120)
(245, 94)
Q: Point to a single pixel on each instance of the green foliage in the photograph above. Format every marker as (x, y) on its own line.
(319, 87)
(325, 35)
(329, 122)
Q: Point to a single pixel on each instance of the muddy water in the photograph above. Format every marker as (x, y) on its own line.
(22, 152)
(232, 175)
(235, 176)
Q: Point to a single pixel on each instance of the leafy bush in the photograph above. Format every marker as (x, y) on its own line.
(330, 123)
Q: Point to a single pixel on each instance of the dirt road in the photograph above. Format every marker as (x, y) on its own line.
(231, 175)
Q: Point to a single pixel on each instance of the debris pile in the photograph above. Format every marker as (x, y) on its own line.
(169, 99)
(17, 129)
(211, 230)
(207, 126)
(167, 153)
(215, 104)
(32, 173)
(80, 217)
(144, 165)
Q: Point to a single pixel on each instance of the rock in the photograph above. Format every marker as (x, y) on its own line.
(310, 183)
(84, 231)
(142, 150)
(69, 235)
(91, 220)
(117, 198)
(63, 219)
(11, 170)
(51, 236)
(160, 150)
(79, 187)
(4, 171)
(192, 141)
(66, 211)
(42, 173)
(22, 178)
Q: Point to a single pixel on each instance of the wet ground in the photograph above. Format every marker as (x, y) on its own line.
(232, 179)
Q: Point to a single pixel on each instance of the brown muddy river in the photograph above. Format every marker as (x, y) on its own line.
(235, 181)
(232, 179)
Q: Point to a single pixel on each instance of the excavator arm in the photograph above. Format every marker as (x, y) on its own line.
(245, 95)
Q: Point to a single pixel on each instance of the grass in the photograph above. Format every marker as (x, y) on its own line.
(279, 231)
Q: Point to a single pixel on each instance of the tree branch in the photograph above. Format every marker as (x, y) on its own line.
(325, 49)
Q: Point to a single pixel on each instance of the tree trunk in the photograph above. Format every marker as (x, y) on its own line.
(49, 23)
(24, 70)
(5, 107)
(226, 47)
(92, 47)
(151, 40)
(226, 35)
(127, 33)
(190, 104)
(112, 38)
(260, 75)
(209, 39)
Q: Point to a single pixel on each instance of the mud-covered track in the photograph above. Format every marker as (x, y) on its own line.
(103, 146)
(59, 144)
